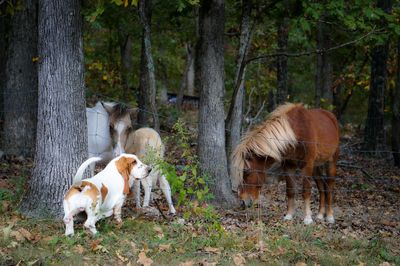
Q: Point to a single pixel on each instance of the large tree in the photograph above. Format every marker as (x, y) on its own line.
(147, 86)
(210, 77)
(4, 26)
(20, 87)
(61, 144)
(374, 127)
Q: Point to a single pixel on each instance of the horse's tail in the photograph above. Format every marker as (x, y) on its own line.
(79, 174)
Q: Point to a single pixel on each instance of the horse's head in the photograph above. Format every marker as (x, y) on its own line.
(121, 118)
(254, 176)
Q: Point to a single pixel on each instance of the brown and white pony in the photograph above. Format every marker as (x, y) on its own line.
(294, 138)
(127, 140)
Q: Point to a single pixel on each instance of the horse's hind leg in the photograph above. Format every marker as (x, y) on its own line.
(329, 187)
(321, 189)
(290, 193)
(166, 189)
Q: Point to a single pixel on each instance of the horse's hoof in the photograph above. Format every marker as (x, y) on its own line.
(69, 233)
(330, 219)
(320, 216)
(308, 220)
(288, 217)
(172, 211)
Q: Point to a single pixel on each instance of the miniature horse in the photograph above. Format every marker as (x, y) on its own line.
(139, 142)
(294, 138)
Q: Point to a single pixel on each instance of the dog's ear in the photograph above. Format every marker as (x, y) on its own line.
(124, 167)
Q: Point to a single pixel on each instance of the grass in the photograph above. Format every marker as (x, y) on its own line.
(173, 243)
(204, 237)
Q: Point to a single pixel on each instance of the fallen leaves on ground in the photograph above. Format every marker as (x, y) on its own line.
(212, 250)
(144, 260)
(239, 260)
(164, 247)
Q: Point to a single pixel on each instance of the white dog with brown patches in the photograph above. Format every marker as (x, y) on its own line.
(104, 194)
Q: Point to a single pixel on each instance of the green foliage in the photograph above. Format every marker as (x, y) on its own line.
(184, 179)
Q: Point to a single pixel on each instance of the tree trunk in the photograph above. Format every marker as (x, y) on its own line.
(164, 82)
(4, 26)
(147, 86)
(396, 113)
(190, 88)
(185, 78)
(210, 75)
(374, 127)
(282, 73)
(323, 74)
(125, 44)
(20, 91)
(235, 116)
(61, 144)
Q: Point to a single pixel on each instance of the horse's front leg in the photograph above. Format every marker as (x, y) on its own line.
(307, 185)
(290, 193)
(330, 185)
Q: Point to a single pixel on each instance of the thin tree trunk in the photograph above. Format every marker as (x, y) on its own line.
(282, 71)
(61, 144)
(190, 72)
(323, 74)
(319, 66)
(374, 127)
(185, 79)
(147, 90)
(126, 63)
(165, 84)
(235, 116)
(210, 74)
(20, 91)
(396, 113)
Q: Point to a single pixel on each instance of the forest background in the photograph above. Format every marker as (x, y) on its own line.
(221, 66)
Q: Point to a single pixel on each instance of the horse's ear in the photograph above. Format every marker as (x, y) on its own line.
(108, 107)
(133, 113)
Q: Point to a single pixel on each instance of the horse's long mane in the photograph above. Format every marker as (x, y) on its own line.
(271, 138)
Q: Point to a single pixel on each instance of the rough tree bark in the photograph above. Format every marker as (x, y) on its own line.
(323, 75)
(125, 45)
(235, 115)
(282, 73)
(396, 113)
(20, 90)
(61, 144)
(4, 26)
(210, 78)
(374, 127)
(147, 86)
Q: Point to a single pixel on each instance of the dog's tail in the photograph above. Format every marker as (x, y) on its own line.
(79, 174)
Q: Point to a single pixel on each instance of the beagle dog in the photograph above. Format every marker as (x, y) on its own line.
(103, 194)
